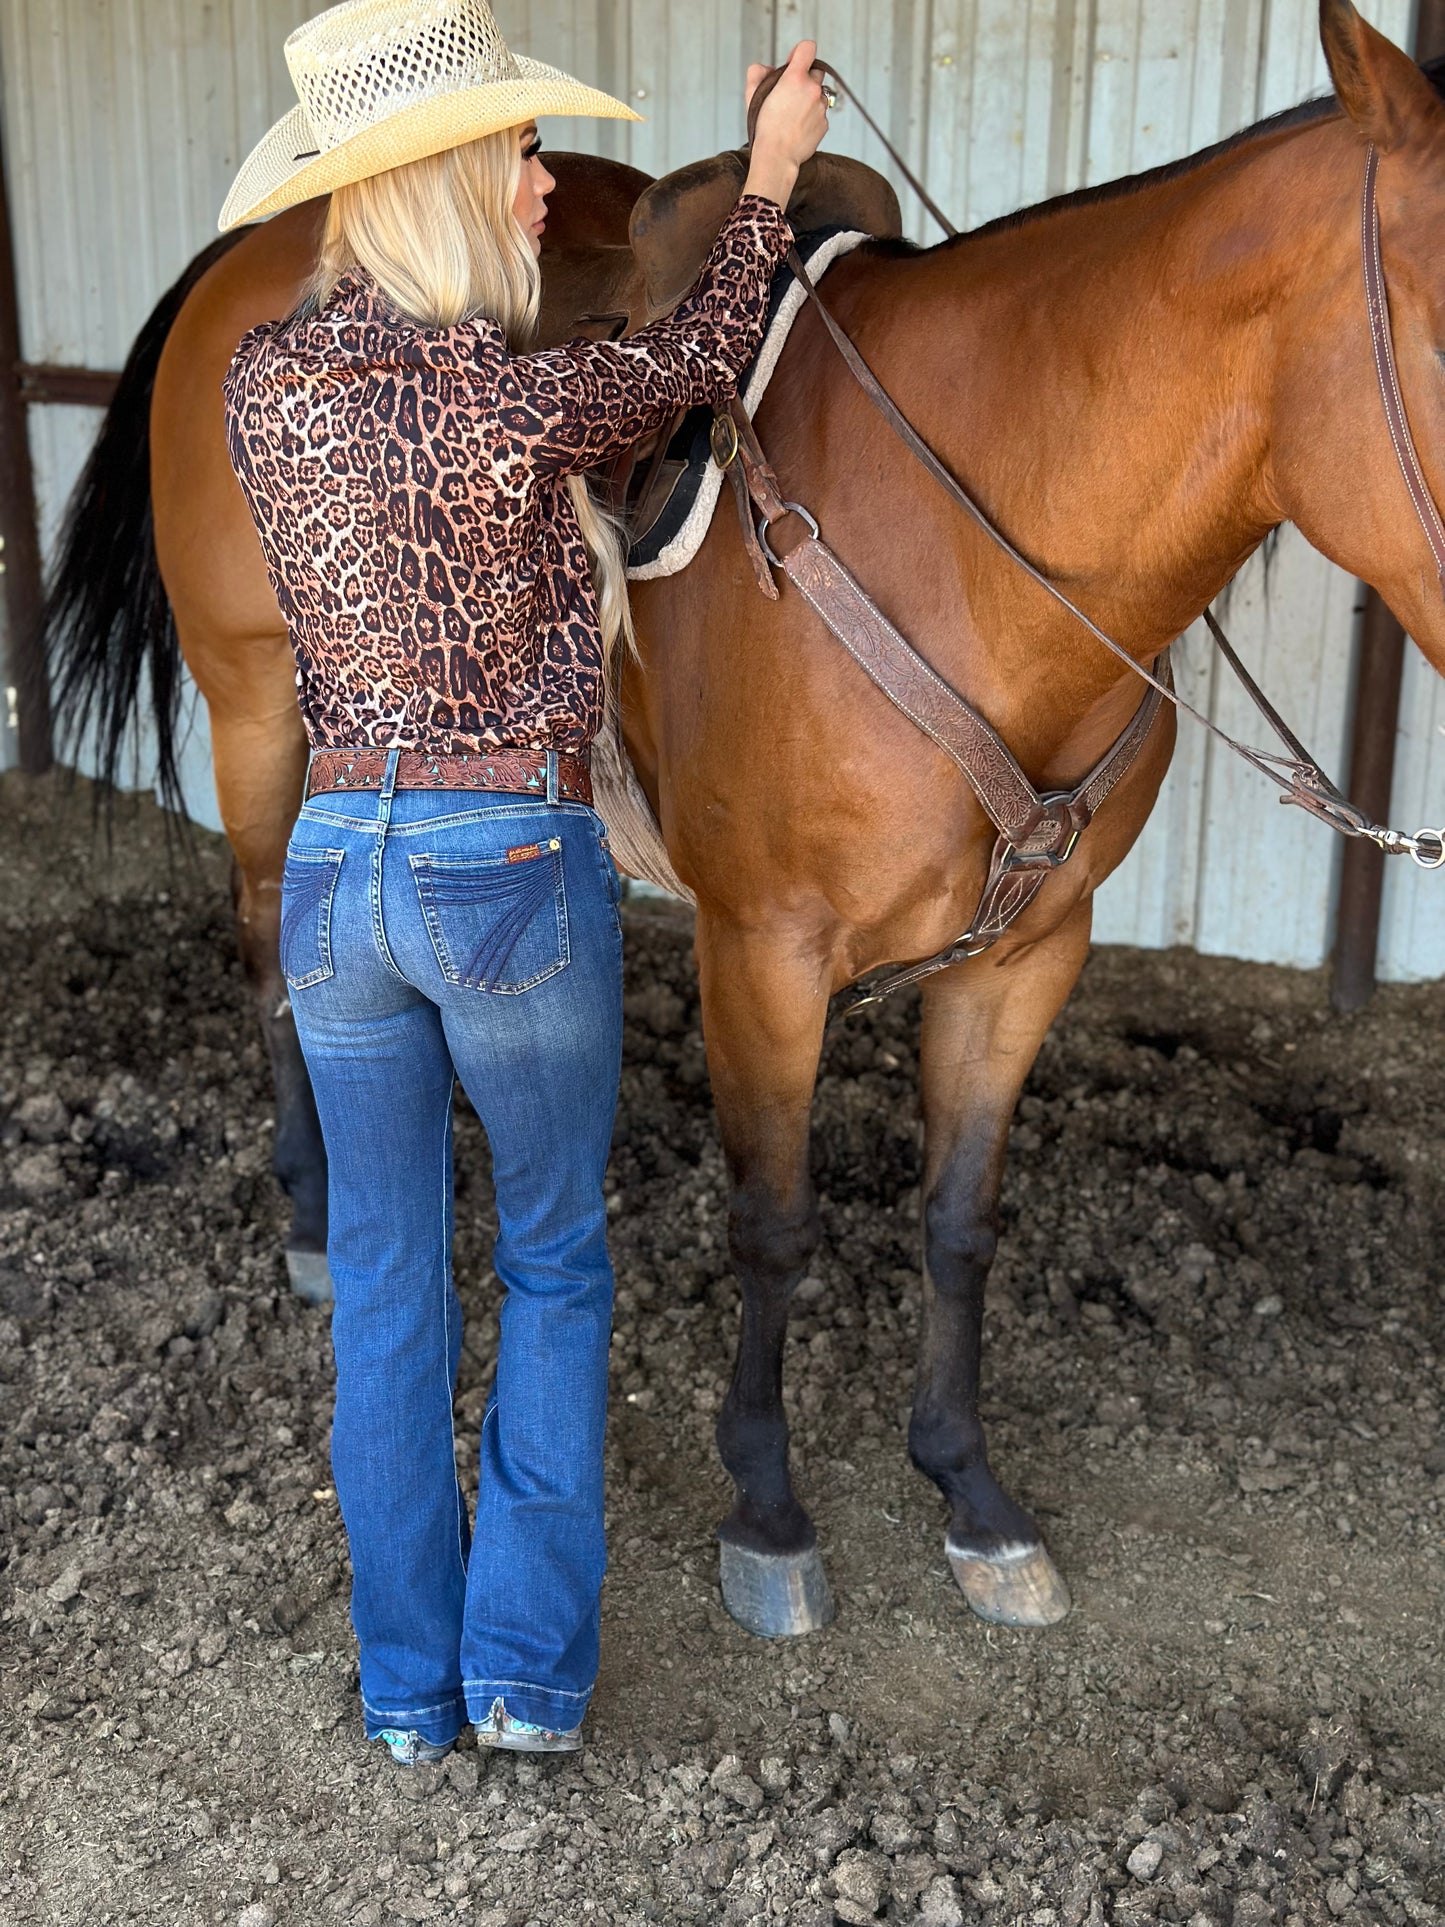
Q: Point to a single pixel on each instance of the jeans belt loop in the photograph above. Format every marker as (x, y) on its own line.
(388, 790)
(551, 776)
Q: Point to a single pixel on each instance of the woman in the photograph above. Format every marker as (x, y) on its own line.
(449, 906)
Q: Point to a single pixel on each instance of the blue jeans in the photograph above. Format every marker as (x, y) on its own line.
(427, 934)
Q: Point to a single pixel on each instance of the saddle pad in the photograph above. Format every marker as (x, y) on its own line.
(676, 536)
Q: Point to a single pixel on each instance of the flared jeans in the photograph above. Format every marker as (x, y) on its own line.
(426, 935)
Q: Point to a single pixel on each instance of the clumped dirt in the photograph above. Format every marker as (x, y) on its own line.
(1213, 1369)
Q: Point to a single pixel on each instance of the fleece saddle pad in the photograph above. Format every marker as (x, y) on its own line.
(676, 536)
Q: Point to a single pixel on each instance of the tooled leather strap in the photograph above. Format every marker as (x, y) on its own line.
(911, 683)
(1017, 869)
(1016, 875)
(502, 769)
(1036, 832)
(915, 688)
(1377, 301)
(1298, 775)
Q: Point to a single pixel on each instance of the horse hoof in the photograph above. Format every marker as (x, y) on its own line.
(310, 1276)
(775, 1594)
(1018, 1587)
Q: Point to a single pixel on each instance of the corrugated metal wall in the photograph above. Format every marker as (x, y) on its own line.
(124, 121)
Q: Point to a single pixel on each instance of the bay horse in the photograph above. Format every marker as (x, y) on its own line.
(1139, 383)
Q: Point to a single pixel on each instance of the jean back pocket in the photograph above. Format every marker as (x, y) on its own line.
(308, 886)
(496, 923)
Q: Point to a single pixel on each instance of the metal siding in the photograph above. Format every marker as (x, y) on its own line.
(687, 70)
(1412, 915)
(589, 38)
(125, 121)
(681, 68)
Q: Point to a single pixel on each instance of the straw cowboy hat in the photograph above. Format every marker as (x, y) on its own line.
(382, 82)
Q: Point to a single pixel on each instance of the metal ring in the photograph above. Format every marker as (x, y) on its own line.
(797, 509)
(1435, 862)
(830, 97)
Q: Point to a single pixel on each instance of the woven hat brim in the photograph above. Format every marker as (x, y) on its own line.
(271, 178)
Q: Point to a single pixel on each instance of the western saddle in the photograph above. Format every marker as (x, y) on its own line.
(607, 290)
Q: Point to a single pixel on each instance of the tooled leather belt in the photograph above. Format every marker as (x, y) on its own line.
(502, 769)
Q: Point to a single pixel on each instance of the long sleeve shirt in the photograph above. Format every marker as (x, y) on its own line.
(407, 484)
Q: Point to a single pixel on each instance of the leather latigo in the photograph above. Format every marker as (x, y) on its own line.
(503, 769)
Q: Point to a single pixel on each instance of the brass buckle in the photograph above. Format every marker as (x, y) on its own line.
(727, 422)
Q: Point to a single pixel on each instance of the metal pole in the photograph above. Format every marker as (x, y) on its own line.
(1372, 768)
(20, 587)
(1378, 675)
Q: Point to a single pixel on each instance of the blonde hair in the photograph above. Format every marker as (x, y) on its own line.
(441, 240)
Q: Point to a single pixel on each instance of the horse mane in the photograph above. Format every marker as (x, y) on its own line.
(1304, 114)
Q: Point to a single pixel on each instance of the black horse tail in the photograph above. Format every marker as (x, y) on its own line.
(106, 619)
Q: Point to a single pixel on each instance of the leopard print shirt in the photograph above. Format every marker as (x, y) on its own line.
(407, 486)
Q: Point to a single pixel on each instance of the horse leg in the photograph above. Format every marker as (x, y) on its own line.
(763, 1015)
(982, 1030)
(258, 749)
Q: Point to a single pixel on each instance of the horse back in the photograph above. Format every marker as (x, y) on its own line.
(206, 545)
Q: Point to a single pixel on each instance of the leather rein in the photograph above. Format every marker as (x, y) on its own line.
(1037, 832)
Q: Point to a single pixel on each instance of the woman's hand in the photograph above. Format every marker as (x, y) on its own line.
(791, 122)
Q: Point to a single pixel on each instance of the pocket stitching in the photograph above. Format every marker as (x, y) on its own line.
(425, 862)
(333, 860)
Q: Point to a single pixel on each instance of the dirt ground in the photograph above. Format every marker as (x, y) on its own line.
(1213, 1370)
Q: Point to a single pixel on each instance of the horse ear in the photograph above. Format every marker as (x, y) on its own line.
(1380, 88)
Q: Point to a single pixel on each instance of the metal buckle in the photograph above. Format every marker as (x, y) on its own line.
(795, 508)
(1018, 859)
(723, 421)
(1062, 856)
